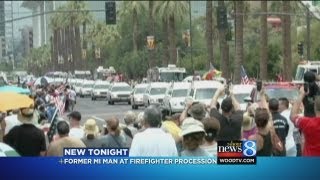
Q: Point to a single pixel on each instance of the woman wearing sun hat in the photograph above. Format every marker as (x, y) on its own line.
(193, 133)
(91, 131)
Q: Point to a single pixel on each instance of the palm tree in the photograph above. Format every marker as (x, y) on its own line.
(239, 40)
(264, 42)
(84, 18)
(224, 49)
(133, 9)
(209, 32)
(172, 11)
(151, 32)
(286, 40)
(56, 23)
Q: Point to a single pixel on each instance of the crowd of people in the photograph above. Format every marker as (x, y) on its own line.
(279, 128)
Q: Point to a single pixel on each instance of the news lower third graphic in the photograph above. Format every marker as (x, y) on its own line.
(110, 156)
(237, 152)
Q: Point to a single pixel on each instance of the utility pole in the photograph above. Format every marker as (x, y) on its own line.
(13, 65)
(308, 35)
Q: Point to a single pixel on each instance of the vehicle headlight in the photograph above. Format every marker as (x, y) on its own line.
(153, 100)
(182, 103)
(113, 95)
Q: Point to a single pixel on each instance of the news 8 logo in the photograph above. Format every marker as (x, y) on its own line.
(249, 148)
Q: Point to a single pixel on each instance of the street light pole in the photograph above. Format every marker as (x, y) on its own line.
(190, 23)
(308, 35)
(12, 34)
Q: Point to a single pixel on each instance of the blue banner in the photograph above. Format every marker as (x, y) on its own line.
(55, 168)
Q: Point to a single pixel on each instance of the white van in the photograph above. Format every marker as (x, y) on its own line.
(203, 91)
(155, 93)
(119, 92)
(137, 95)
(174, 100)
(243, 92)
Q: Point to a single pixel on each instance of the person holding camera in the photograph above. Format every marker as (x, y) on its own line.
(309, 126)
(231, 117)
(312, 88)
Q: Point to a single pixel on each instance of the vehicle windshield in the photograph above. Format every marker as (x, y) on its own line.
(139, 90)
(205, 93)
(300, 73)
(172, 76)
(290, 93)
(88, 85)
(102, 86)
(240, 97)
(180, 93)
(158, 91)
(121, 88)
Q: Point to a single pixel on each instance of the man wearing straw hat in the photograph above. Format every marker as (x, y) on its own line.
(26, 139)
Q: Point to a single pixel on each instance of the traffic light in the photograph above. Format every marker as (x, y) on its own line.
(97, 53)
(84, 54)
(300, 48)
(111, 12)
(222, 20)
(150, 42)
(31, 39)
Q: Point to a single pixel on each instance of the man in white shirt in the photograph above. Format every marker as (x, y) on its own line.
(75, 130)
(72, 98)
(291, 149)
(10, 121)
(153, 141)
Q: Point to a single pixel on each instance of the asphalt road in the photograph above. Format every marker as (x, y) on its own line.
(101, 110)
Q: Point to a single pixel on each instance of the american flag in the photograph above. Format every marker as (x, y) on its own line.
(60, 104)
(244, 77)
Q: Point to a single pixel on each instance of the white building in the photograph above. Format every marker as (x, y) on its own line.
(41, 23)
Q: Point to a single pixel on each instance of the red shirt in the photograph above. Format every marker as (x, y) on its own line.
(310, 127)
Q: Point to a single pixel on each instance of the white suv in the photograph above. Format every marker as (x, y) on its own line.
(137, 95)
(86, 88)
(119, 92)
(100, 90)
(203, 91)
(155, 93)
(174, 101)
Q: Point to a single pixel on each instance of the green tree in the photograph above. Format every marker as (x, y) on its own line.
(286, 40)
(264, 41)
(239, 5)
(224, 50)
(133, 9)
(209, 32)
(152, 31)
(172, 11)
